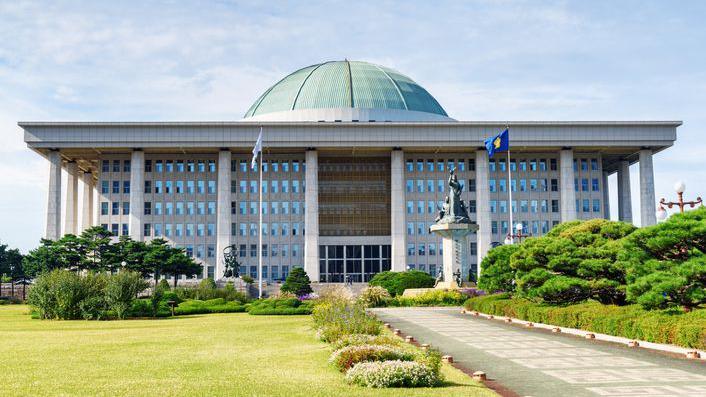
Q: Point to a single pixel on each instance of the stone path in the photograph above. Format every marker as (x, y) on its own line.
(538, 363)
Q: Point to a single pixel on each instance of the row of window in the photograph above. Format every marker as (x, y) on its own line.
(106, 166)
(273, 275)
(440, 165)
(421, 249)
(535, 228)
(275, 186)
(273, 250)
(267, 165)
(283, 229)
(179, 229)
(275, 207)
(180, 166)
(431, 207)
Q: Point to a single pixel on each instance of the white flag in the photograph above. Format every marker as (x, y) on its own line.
(256, 150)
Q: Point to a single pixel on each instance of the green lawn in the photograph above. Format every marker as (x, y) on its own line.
(208, 355)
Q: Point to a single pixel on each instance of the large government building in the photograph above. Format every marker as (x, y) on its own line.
(356, 159)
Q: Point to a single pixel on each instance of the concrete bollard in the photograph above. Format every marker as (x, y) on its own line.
(529, 325)
(397, 331)
(424, 346)
(409, 339)
(447, 359)
(479, 376)
(633, 343)
(508, 320)
(387, 325)
(590, 336)
(556, 330)
(475, 313)
(491, 317)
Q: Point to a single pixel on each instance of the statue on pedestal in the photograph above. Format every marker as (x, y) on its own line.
(454, 209)
(230, 259)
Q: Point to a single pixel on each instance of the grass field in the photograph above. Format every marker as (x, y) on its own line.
(209, 355)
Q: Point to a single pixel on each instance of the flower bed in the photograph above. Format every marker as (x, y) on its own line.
(347, 357)
(392, 374)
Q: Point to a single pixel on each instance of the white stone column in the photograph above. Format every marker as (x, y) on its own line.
(71, 210)
(606, 197)
(53, 229)
(223, 210)
(647, 189)
(311, 216)
(397, 212)
(484, 235)
(624, 199)
(137, 194)
(566, 185)
(87, 210)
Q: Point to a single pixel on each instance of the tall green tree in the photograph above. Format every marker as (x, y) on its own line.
(99, 252)
(497, 274)
(70, 252)
(181, 264)
(666, 263)
(41, 259)
(155, 260)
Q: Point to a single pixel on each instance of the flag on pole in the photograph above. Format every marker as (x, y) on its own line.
(498, 143)
(256, 150)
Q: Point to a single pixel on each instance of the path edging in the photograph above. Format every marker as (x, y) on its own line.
(689, 353)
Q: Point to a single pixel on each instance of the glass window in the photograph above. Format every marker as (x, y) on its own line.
(116, 165)
(410, 166)
(115, 208)
(104, 208)
(104, 187)
(594, 184)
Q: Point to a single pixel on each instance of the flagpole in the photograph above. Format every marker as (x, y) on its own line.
(259, 248)
(511, 227)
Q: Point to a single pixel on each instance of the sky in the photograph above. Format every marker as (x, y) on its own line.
(482, 60)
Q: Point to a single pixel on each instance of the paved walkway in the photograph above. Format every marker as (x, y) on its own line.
(538, 363)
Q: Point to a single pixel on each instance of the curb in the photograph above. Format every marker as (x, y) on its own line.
(688, 353)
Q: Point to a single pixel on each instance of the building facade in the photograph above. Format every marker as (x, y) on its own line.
(355, 165)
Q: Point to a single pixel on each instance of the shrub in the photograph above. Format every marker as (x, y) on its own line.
(374, 296)
(364, 339)
(247, 279)
(349, 356)
(279, 306)
(206, 292)
(218, 305)
(62, 294)
(164, 285)
(431, 298)
(392, 374)
(335, 319)
(297, 282)
(396, 282)
(121, 289)
(670, 326)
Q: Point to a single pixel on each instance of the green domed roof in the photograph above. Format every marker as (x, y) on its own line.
(345, 84)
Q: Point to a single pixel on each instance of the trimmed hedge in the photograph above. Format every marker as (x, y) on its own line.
(279, 306)
(431, 298)
(671, 326)
(396, 282)
(218, 305)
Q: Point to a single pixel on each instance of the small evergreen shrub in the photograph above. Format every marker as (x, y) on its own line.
(392, 374)
(349, 356)
(297, 282)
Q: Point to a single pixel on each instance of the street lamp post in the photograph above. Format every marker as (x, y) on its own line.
(679, 187)
(510, 239)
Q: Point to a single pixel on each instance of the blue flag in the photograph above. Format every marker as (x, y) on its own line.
(498, 143)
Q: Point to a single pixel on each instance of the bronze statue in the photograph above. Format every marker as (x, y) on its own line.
(439, 277)
(454, 209)
(230, 259)
(457, 277)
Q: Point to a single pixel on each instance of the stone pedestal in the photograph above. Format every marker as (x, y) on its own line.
(455, 243)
